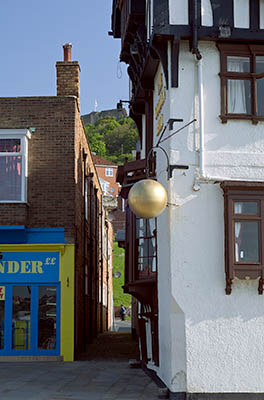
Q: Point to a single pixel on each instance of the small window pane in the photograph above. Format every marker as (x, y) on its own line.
(261, 14)
(109, 172)
(238, 64)
(239, 96)
(21, 317)
(207, 13)
(260, 96)
(259, 64)
(246, 241)
(10, 177)
(241, 13)
(10, 146)
(246, 207)
(47, 317)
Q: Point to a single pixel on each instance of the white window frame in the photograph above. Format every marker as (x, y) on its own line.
(23, 135)
(86, 198)
(109, 171)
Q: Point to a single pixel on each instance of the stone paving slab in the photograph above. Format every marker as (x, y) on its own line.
(79, 380)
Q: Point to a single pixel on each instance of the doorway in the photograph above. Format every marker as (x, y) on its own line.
(30, 319)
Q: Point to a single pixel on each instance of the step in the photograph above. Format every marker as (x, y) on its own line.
(29, 358)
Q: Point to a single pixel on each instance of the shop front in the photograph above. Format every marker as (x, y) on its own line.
(33, 294)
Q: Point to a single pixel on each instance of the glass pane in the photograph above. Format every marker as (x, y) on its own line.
(2, 315)
(21, 318)
(247, 241)
(239, 96)
(10, 146)
(259, 64)
(10, 177)
(207, 13)
(260, 96)
(47, 317)
(246, 207)
(238, 64)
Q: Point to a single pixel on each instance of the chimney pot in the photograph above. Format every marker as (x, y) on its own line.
(67, 52)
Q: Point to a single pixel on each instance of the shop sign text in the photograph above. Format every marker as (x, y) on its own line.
(29, 267)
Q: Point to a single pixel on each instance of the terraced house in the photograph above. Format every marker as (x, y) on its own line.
(197, 70)
(55, 273)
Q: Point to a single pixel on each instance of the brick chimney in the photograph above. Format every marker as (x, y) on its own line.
(68, 75)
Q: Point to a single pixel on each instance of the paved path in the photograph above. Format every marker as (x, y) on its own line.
(79, 380)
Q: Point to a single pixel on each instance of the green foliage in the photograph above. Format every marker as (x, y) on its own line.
(113, 140)
(119, 265)
(95, 141)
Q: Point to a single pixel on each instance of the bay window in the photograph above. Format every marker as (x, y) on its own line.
(242, 81)
(244, 233)
(13, 164)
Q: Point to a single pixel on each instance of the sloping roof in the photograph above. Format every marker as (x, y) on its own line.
(102, 161)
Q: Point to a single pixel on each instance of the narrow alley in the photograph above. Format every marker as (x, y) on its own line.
(103, 373)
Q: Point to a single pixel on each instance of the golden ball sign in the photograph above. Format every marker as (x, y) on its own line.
(147, 198)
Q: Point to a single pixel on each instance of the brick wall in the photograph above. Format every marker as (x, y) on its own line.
(50, 161)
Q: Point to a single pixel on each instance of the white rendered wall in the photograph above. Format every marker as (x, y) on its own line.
(209, 342)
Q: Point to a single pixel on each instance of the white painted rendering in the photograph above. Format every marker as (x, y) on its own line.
(206, 13)
(178, 12)
(209, 342)
(261, 14)
(241, 13)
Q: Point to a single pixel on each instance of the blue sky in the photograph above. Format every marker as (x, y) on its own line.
(32, 35)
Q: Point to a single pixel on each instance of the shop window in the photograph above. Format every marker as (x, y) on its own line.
(13, 164)
(242, 82)
(146, 239)
(244, 211)
(47, 317)
(21, 318)
(109, 172)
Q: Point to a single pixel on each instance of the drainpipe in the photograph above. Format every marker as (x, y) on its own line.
(203, 175)
(195, 50)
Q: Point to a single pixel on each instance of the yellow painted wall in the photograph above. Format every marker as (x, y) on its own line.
(67, 303)
(67, 289)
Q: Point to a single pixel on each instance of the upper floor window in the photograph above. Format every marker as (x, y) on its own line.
(206, 13)
(105, 186)
(146, 242)
(244, 218)
(13, 164)
(242, 82)
(109, 172)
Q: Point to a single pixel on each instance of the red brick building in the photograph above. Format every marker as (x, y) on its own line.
(107, 172)
(55, 239)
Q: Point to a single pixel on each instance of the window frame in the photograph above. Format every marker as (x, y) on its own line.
(23, 135)
(146, 272)
(109, 171)
(243, 192)
(239, 50)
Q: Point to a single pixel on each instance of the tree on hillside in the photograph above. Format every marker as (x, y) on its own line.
(95, 141)
(118, 137)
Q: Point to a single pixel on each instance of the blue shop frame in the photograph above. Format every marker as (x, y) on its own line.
(30, 304)
(22, 336)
